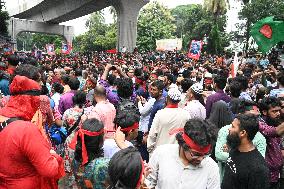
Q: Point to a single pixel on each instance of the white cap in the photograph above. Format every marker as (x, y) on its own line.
(207, 74)
(197, 88)
(174, 94)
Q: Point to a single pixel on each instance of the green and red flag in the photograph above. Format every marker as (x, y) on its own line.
(267, 33)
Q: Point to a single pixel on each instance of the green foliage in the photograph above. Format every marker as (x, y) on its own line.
(217, 7)
(26, 41)
(4, 17)
(256, 10)
(154, 22)
(100, 36)
(194, 22)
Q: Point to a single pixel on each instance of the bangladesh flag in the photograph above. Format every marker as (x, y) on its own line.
(267, 33)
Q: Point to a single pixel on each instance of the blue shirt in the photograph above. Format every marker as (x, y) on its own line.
(4, 87)
(158, 105)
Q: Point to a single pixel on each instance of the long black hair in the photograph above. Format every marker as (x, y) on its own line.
(125, 169)
(93, 143)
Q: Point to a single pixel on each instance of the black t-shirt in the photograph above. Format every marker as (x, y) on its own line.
(246, 170)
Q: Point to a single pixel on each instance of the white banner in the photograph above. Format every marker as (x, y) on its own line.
(169, 44)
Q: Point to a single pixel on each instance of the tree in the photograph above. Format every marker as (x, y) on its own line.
(4, 17)
(100, 36)
(26, 41)
(194, 22)
(217, 7)
(256, 10)
(154, 22)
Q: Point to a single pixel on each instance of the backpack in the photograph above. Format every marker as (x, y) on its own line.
(125, 106)
(57, 134)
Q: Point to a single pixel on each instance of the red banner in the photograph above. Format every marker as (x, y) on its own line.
(195, 49)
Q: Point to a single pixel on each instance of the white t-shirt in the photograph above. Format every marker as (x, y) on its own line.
(110, 147)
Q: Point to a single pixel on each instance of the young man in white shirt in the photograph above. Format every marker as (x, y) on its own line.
(186, 165)
(129, 123)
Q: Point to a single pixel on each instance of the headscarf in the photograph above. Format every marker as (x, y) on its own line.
(24, 100)
(220, 114)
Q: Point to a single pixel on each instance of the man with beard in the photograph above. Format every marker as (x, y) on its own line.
(186, 165)
(270, 109)
(245, 168)
(222, 150)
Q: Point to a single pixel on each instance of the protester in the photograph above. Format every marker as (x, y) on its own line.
(220, 114)
(89, 165)
(58, 90)
(271, 128)
(128, 123)
(222, 149)
(13, 62)
(167, 120)
(126, 169)
(103, 111)
(219, 85)
(66, 99)
(24, 162)
(189, 158)
(195, 105)
(245, 167)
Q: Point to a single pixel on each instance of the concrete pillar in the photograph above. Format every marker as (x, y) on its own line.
(127, 13)
(17, 26)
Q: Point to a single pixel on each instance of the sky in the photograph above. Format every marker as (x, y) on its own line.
(79, 23)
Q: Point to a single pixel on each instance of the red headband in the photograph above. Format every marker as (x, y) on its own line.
(81, 132)
(141, 174)
(190, 142)
(134, 126)
(172, 106)
(194, 146)
(208, 81)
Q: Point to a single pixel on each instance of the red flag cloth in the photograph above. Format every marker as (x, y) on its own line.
(112, 51)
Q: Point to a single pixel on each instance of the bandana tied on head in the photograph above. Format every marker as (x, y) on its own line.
(24, 100)
(81, 132)
(190, 143)
(132, 127)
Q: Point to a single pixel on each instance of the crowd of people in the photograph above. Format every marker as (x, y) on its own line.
(141, 120)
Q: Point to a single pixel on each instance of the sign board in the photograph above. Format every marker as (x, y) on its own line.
(168, 44)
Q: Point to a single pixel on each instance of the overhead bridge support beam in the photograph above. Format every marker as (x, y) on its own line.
(127, 12)
(17, 26)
